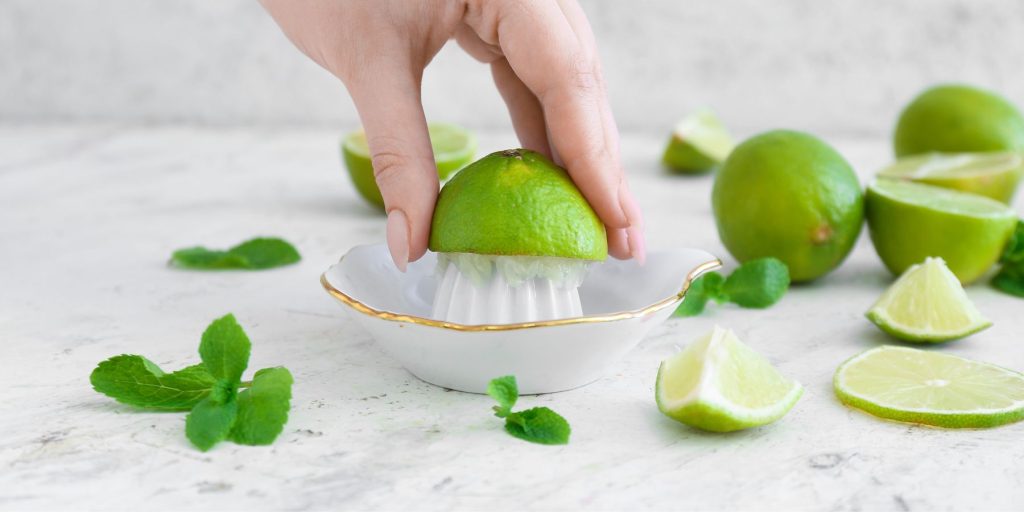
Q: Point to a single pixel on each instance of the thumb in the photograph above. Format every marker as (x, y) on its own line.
(403, 161)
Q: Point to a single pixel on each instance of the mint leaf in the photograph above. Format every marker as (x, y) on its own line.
(225, 349)
(263, 408)
(538, 425)
(1014, 252)
(505, 391)
(255, 254)
(135, 380)
(704, 288)
(757, 283)
(210, 422)
(1010, 279)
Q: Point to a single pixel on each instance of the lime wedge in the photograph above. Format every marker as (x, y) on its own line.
(927, 303)
(719, 384)
(994, 175)
(917, 386)
(910, 221)
(698, 144)
(453, 145)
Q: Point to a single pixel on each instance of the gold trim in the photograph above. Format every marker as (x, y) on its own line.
(707, 266)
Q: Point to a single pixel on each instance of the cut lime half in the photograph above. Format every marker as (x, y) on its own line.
(719, 384)
(698, 143)
(927, 303)
(918, 386)
(994, 175)
(453, 146)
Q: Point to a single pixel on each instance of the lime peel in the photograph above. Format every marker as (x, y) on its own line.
(698, 143)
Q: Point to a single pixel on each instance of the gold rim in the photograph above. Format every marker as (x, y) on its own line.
(707, 266)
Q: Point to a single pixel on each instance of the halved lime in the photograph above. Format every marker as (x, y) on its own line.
(453, 145)
(927, 303)
(994, 175)
(918, 386)
(719, 384)
(698, 143)
(910, 221)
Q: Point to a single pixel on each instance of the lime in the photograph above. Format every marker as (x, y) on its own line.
(918, 386)
(698, 144)
(910, 222)
(454, 147)
(994, 175)
(927, 303)
(719, 384)
(958, 119)
(516, 203)
(790, 196)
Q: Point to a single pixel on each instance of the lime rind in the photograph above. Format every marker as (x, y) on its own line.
(698, 143)
(715, 376)
(901, 378)
(927, 304)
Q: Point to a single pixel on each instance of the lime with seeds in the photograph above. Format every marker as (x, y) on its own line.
(909, 222)
(958, 119)
(932, 388)
(994, 175)
(790, 196)
(698, 144)
(516, 203)
(453, 146)
(927, 304)
(719, 384)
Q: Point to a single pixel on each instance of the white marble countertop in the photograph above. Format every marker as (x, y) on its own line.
(90, 214)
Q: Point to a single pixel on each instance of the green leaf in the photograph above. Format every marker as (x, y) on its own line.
(702, 289)
(1014, 252)
(210, 422)
(255, 254)
(538, 425)
(757, 283)
(505, 391)
(1010, 279)
(225, 349)
(135, 380)
(263, 408)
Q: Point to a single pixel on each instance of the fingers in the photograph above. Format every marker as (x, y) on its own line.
(524, 108)
(403, 161)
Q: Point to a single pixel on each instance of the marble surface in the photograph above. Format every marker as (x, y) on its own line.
(89, 215)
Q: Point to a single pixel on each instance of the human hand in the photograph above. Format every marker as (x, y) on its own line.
(544, 62)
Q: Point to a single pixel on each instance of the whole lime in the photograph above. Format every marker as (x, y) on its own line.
(788, 195)
(958, 119)
(516, 203)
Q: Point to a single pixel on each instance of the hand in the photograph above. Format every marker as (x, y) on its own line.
(544, 62)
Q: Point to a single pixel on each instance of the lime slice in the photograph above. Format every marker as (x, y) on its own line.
(994, 175)
(927, 303)
(910, 221)
(917, 386)
(454, 147)
(698, 143)
(719, 384)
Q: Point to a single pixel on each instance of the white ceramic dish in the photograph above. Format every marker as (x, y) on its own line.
(622, 301)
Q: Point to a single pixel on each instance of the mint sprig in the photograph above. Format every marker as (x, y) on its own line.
(210, 390)
(757, 283)
(255, 254)
(1010, 278)
(538, 425)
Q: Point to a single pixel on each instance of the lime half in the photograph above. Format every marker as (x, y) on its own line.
(910, 221)
(994, 175)
(453, 146)
(918, 386)
(927, 303)
(719, 384)
(698, 144)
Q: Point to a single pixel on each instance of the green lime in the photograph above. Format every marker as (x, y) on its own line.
(516, 203)
(909, 222)
(698, 144)
(927, 303)
(958, 119)
(454, 147)
(918, 386)
(790, 196)
(719, 384)
(994, 175)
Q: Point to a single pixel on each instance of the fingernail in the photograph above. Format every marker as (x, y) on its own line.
(630, 210)
(398, 238)
(637, 243)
